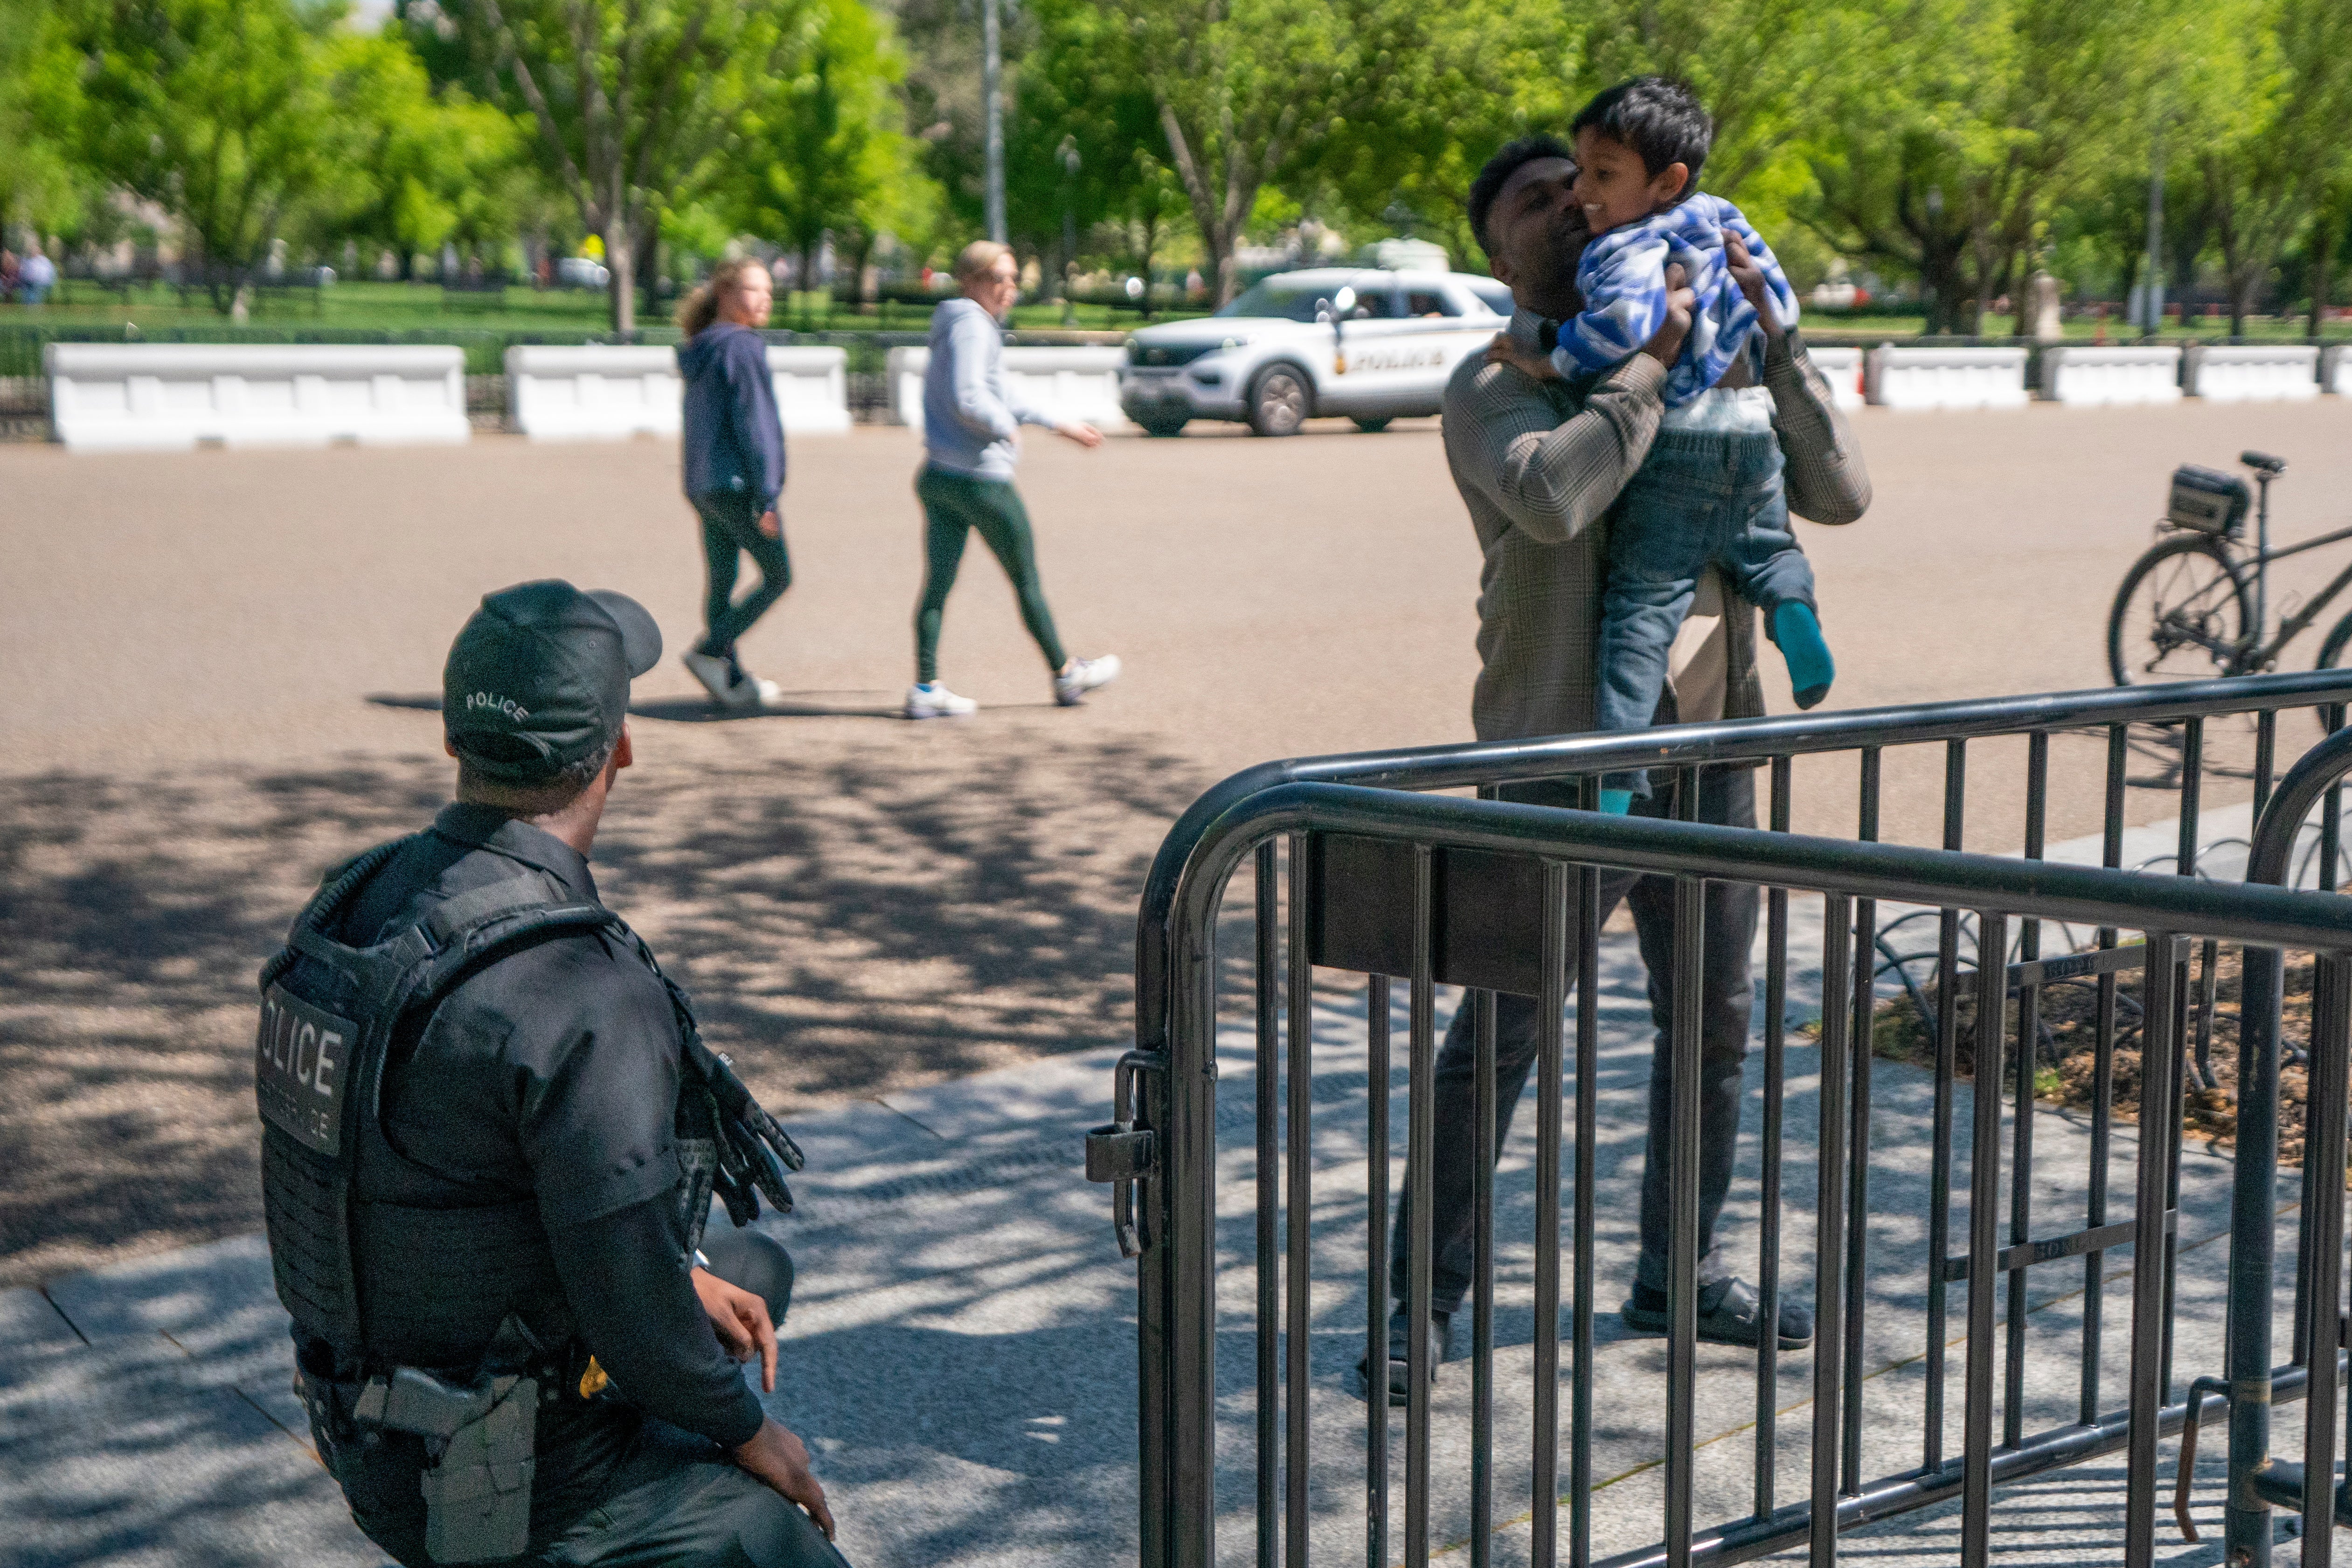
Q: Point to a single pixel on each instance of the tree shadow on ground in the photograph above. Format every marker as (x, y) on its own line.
(850, 920)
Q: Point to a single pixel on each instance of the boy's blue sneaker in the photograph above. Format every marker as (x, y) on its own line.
(1811, 668)
(1617, 802)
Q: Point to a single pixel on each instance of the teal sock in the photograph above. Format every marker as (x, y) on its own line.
(1810, 669)
(1617, 802)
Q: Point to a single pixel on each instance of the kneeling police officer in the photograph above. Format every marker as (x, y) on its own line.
(490, 1141)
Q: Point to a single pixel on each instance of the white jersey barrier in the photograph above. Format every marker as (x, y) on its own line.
(1841, 368)
(2097, 376)
(117, 397)
(2335, 369)
(2252, 373)
(812, 389)
(1947, 378)
(594, 393)
(1078, 383)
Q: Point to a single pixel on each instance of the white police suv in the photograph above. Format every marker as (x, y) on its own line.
(1370, 346)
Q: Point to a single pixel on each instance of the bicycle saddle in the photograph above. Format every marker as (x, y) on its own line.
(2263, 461)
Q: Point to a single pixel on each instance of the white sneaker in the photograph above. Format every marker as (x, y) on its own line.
(730, 684)
(717, 675)
(1081, 675)
(936, 701)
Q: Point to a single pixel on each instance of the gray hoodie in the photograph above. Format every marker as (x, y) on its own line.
(969, 417)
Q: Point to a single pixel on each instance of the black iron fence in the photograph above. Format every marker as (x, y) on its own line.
(1416, 892)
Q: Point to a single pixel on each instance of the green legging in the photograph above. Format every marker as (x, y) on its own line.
(954, 506)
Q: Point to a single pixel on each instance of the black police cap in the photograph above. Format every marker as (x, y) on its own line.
(538, 678)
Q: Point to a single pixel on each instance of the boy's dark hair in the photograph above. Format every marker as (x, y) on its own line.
(1507, 161)
(1661, 120)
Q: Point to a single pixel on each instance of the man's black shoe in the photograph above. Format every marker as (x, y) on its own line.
(1728, 1314)
(1400, 1353)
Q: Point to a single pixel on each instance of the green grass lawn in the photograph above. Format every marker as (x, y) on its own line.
(481, 321)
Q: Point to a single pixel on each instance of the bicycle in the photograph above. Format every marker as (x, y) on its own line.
(2194, 607)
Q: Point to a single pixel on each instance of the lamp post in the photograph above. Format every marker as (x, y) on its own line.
(2152, 293)
(992, 92)
(1067, 154)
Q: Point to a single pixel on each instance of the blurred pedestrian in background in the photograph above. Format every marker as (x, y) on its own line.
(36, 276)
(8, 275)
(972, 427)
(734, 452)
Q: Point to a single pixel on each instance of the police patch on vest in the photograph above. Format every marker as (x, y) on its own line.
(298, 1061)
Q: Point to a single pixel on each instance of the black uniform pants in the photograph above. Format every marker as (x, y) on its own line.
(1727, 797)
(681, 1502)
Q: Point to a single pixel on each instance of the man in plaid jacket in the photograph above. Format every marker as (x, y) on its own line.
(1538, 464)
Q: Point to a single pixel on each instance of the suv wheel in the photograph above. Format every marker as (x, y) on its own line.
(1277, 401)
(1163, 424)
(1373, 427)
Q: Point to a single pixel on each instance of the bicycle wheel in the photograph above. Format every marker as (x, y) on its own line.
(2182, 615)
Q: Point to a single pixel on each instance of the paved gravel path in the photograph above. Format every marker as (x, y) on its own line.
(220, 668)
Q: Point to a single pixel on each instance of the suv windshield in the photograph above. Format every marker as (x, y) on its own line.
(1278, 298)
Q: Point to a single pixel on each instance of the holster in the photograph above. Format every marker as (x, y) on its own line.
(481, 1438)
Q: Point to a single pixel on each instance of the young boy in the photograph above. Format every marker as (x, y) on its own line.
(1710, 492)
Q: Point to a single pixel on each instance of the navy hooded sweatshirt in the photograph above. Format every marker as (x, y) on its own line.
(734, 442)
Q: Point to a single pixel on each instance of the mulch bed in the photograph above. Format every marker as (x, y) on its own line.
(2066, 1065)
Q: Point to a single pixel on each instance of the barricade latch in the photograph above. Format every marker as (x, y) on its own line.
(1121, 1154)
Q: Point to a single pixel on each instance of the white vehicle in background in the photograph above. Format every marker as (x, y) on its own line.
(1370, 345)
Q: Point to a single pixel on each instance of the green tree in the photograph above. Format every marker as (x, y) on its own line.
(1482, 73)
(635, 100)
(2271, 134)
(418, 168)
(824, 147)
(1244, 89)
(42, 186)
(1964, 123)
(216, 110)
(1076, 100)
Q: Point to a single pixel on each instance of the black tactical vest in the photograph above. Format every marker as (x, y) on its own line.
(352, 1271)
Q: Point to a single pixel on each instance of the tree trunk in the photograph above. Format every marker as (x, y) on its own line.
(620, 260)
(1151, 244)
(648, 269)
(2322, 261)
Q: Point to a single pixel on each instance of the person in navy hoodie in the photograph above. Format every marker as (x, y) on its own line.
(734, 452)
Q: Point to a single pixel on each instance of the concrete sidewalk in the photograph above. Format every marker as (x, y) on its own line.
(961, 1355)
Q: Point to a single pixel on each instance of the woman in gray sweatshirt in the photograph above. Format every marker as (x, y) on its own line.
(970, 426)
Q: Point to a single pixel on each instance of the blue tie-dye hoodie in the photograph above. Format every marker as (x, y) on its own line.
(1622, 277)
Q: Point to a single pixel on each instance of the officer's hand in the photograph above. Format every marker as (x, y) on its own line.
(769, 524)
(740, 1321)
(776, 1459)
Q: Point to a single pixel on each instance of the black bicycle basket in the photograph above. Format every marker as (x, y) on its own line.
(2207, 500)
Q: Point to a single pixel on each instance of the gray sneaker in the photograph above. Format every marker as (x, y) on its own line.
(1400, 1369)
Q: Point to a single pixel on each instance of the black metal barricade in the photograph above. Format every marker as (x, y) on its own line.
(2258, 1481)
(1403, 888)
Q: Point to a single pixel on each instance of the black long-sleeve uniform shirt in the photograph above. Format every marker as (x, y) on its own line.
(549, 1076)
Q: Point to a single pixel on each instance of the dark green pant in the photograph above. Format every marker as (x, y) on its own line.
(955, 505)
(731, 530)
